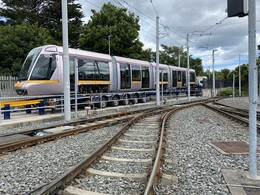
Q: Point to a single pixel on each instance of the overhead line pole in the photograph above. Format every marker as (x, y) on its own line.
(213, 74)
(253, 90)
(157, 63)
(188, 67)
(179, 57)
(239, 74)
(66, 70)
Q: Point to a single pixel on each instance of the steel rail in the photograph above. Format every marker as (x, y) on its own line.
(36, 140)
(30, 141)
(54, 186)
(64, 179)
(238, 109)
(237, 118)
(152, 182)
(78, 122)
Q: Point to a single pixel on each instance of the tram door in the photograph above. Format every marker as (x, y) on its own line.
(145, 77)
(125, 76)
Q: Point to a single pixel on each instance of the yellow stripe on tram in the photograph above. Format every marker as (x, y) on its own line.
(96, 82)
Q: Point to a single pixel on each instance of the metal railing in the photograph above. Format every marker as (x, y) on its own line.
(7, 85)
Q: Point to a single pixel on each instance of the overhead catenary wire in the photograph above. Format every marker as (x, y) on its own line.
(92, 4)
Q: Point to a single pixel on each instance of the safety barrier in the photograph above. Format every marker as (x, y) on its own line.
(7, 109)
(13, 104)
(7, 85)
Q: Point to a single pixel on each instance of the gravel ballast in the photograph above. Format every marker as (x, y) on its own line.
(196, 164)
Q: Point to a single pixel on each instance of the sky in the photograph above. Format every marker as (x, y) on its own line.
(205, 22)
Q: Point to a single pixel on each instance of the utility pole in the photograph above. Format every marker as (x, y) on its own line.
(213, 72)
(239, 75)
(66, 68)
(179, 57)
(188, 67)
(234, 77)
(157, 63)
(239, 8)
(253, 90)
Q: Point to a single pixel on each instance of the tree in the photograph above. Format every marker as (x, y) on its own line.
(225, 73)
(120, 25)
(19, 11)
(244, 76)
(16, 42)
(52, 20)
(169, 56)
(196, 64)
(45, 13)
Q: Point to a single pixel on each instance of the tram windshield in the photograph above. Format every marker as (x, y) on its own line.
(44, 67)
(28, 63)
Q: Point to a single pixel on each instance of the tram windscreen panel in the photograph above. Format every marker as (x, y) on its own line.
(28, 64)
(44, 67)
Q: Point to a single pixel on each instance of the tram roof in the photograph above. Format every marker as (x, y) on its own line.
(78, 52)
(131, 61)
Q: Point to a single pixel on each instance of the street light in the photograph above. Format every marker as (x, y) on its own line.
(213, 79)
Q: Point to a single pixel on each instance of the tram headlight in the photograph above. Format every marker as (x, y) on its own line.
(21, 92)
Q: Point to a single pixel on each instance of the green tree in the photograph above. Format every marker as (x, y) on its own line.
(16, 42)
(219, 75)
(19, 11)
(51, 19)
(120, 25)
(196, 64)
(169, 55)
(225, 73)
(45, 13)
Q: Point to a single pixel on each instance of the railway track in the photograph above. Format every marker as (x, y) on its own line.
(135, 153)
(139, 145)
(16, 140)
(239, 115)
(236, 111)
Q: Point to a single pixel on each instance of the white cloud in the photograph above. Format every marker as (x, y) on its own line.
(203, 20)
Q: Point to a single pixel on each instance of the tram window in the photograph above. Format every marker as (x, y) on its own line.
(44, 67)
(174, 78)
(136, 76)
(165, 76)
(71, 64)
(125, 76)
(93, 70)
(179, 76)
(184, 80)
(145, 77)
(103, 70)
(87, 70)
(192, 77)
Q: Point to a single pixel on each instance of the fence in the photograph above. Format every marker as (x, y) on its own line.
(7, 86)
